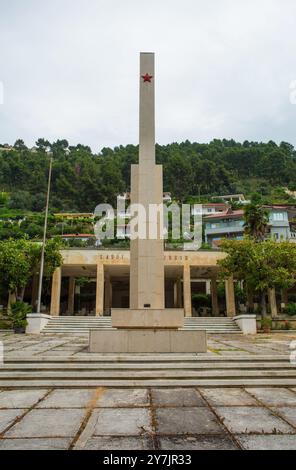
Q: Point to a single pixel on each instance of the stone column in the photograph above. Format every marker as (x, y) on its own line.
(272, 302)
(179, 293)
(214, 295)
(175, 294)
(108, 293)
(56, 292)
(230, 297)
(71, 295)
(100, 290)
(187, 291)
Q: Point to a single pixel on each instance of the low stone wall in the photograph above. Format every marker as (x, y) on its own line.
(279, 322)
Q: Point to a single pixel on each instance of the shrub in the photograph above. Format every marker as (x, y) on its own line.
(19, 311)
(290, 309)
(266, 324)
(201, 300)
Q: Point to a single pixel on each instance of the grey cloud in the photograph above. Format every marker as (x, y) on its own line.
(69, 69)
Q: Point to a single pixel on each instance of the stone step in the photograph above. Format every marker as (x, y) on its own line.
(80, 325)
(148, 366)
(58, 322)
(206, 382)
(144, 374)
(86, 332)
(168, 358)
(100, 327)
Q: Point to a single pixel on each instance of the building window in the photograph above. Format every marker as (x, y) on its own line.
(278, 216)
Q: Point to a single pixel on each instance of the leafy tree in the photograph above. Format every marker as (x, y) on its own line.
(42, 144)
(20, 145)
(262, 266)
(256, 221)
(21, 200)
(19, 260)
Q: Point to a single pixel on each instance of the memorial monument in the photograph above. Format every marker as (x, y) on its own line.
(147, 326)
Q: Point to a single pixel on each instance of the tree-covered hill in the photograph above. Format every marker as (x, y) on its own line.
(82, 179)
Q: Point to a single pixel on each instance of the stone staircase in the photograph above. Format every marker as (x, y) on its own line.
(82, 325)
(146, 370)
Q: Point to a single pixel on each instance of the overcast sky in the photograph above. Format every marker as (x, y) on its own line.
(69, 69)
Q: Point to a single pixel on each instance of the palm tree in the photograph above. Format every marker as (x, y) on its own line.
(256, 221)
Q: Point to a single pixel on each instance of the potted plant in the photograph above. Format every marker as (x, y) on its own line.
(19, 311)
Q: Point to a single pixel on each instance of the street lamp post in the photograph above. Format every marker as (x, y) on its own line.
(44, 235)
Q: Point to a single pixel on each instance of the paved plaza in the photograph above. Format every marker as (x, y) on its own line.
(149, 418)
(66, 345)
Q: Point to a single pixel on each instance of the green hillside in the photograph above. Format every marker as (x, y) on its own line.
(82, 179)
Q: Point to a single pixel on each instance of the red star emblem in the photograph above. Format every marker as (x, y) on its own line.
(147, 77)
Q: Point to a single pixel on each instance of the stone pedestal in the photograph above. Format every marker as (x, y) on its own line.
(152, 318)
(147, 341)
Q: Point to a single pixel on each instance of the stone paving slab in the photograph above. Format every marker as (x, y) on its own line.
(288, 413)
(20, 398)
(121, 422)
(48, 423)
(177, 397)
(247, 419)
(197, 443)
(7, 417)
(274, 397)
(121, 398)
(267, 442)
(118, 443)
(228, 397)
(67, 398)
(184, 420)
(35, 444)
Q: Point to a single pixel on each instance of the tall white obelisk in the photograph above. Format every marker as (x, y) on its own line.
(147, 326)
(147, 260)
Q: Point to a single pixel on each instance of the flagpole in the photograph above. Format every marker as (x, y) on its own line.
(44, 234)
